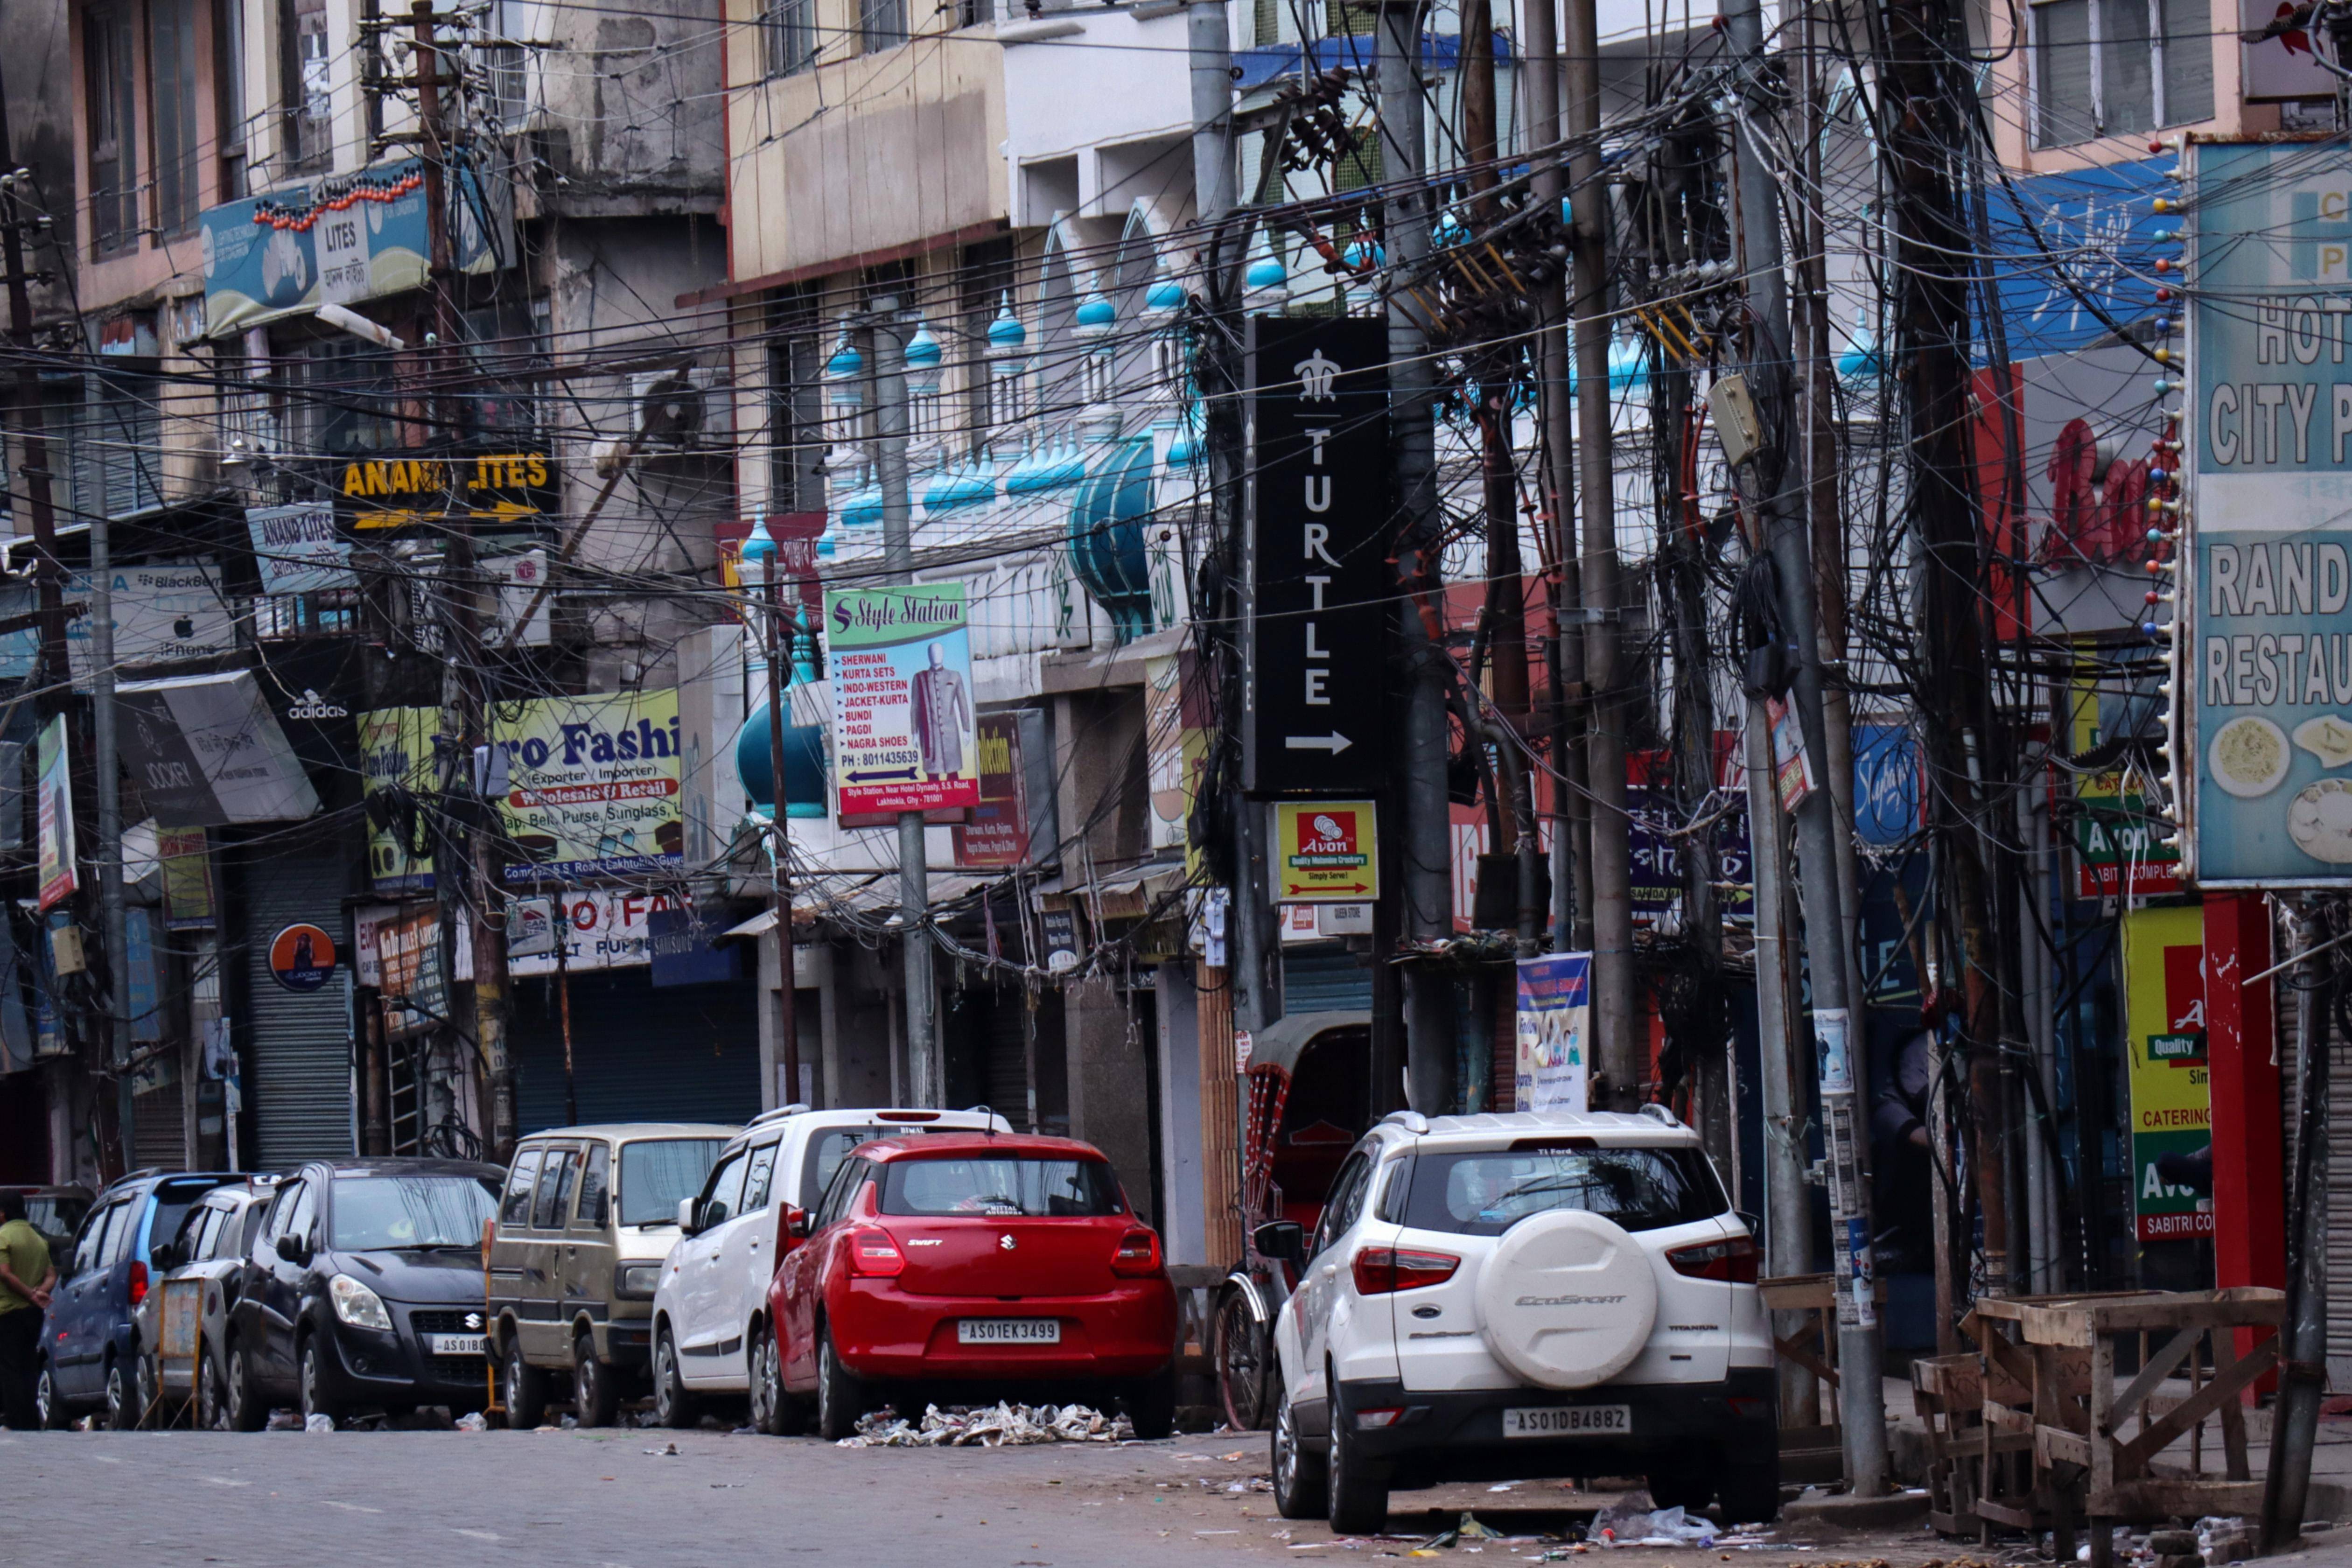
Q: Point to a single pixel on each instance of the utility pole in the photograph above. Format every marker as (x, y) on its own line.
(1427, 879)
(1216, 372)
(780, 840)
(463, 695)
(1571, 862)
(1618, 1050)
(53, 681)
(115, 1014)
(1787, 535)
(899, 566)
(2303, 1342)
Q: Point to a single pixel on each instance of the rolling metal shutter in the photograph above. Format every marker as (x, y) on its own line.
(1324, 982)
(684, 1053)
(297, 1044)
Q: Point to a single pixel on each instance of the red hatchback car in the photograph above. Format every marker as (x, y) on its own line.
(995, 1264)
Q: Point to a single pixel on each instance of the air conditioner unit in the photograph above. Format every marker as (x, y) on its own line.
(676, 410)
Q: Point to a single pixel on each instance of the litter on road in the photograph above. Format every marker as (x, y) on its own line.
(1000, 1426)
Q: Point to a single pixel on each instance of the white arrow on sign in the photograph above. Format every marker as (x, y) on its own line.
(1334, 742)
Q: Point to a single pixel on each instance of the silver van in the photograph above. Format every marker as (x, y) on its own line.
(587, 1217)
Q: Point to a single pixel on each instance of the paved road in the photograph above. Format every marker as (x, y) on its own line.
(583, 1499)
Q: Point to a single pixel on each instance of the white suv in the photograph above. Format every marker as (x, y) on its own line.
(1535, 1294)
(710, 1306)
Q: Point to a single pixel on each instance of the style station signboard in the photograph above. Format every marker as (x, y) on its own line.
(904, 736)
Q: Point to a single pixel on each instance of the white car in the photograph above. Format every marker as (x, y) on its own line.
(709, 1317)
(1534, 1294)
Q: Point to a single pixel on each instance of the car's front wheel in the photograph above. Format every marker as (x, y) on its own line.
(316, 1400)
(840, 1400)
(672, 1408)
(595, 1388)
(48, 1404)
(212, 1399)
(247, 1413)
(1299, 1478)
(524, 1392)
(1359, 1494)
(122, 1397)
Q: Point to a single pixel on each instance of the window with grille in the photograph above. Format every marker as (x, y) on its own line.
(2118, 67)
(790, 36)
(303, 78)
(112, 128)
(1345, 16)
(105, 435)
(796, 423)
(228, 76)
(174, 75)
(345, 400)
(882, 24)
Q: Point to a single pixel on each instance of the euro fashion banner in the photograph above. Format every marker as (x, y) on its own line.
(592, 785)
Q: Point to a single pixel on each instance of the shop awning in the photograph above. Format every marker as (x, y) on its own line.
(207, 753)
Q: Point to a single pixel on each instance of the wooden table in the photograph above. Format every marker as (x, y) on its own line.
(2083, 1461)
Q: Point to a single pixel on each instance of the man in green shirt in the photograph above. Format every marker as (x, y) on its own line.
(25, 1281)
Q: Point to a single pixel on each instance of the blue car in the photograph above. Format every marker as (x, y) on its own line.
(90, 1356)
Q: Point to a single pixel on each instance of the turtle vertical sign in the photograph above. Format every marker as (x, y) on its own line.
(905, 737)
(1318, 584)
(1326, 853)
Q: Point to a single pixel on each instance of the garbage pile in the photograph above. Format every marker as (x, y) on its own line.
(1000, 1426)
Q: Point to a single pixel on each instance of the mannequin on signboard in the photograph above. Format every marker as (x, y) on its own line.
(942, 714)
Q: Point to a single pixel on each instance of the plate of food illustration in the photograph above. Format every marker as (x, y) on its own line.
(2249, 756)
(2329, 738)
(2319, 820)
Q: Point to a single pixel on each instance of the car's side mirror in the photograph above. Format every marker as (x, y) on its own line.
(1283, 1240)
(686, 1216)
(796, 1222)
(163, 1256)
(295, 1249)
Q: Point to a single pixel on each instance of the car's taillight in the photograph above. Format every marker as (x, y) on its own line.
(1733, 1260)
(1138, 1254)
(1373, 1420)
(138, 1282)
(873, 1253)
(1381, 1269)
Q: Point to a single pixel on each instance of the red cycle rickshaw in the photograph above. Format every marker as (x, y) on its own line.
(1309, 1096)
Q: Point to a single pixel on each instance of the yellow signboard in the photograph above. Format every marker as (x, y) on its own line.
(2171, 1098)
(1325, 852)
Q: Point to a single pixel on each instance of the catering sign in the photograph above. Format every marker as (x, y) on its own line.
(2172, 1163)
(2266, 662)
(591, 784)
(904, 729)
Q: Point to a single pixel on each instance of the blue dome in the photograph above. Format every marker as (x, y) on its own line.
(805, 773)
(1265, 269)
(757, 549)
(1165, 297)
(1106, 539)
(863, 508)
(1360, 255)
(1629, 365)
(1183, 450)
(846, 364)
(1861, 361)
(1449, 230)
(1096, 313)
(923, 349)
(959, 485)
(1006, 331)
(1050, 467)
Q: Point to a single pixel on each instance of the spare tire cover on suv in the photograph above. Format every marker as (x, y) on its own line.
(1567, 1297)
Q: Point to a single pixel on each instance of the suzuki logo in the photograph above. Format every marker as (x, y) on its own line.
(472, 1319)
(1006, 1243)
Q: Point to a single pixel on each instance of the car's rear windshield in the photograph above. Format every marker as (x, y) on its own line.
(1486, 1192)
(377, 1212)
(655, 1173)
(173, 1202)
(1000, 1186)
(56, 1214)
(830, 1146)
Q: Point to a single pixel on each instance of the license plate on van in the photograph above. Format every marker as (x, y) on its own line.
(1567, 1420)
(453, 1344)
(1008, 1330)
